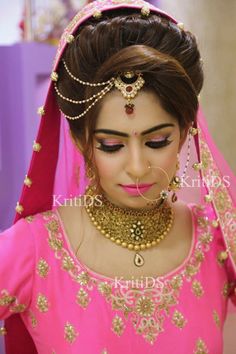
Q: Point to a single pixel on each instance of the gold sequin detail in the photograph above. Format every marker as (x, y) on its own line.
(70, 38)
(33, 319)
(181, 26)
(222, 257)
(42, 303)
(67, 263)
(8, 300)
(202, 221)
(216, 318)
(200, 347)
(42, 268)
(19, 208)
(176, 282)
(145, 306)
(70, 333)
(83, 278)
(206, 238)
(191, 270)
(37, 147)
(27, 181)
(145, 11)
(199, 255)
(105, 288)
(53, 226)
(178, 319)
(118, 325)
(41, 111)
(3, 331)
(82, 298)
(197, 288)
(104, 351)
(29, 218)
(97, 14)
(54, 76)
(18, 308)
(221, 201)
(55, 243)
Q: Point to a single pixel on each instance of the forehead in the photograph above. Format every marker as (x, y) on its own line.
(148, 112)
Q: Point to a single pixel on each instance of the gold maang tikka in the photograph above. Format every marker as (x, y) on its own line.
(128, 83)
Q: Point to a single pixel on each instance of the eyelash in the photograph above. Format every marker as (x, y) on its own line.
(117, 147)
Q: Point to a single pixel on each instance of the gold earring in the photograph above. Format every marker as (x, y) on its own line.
(175, 183)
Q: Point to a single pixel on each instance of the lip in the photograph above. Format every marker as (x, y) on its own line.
(131, 189)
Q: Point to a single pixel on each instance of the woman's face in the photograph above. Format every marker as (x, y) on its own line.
(139, 149)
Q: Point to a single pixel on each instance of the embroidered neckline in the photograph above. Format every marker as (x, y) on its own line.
(146, 308)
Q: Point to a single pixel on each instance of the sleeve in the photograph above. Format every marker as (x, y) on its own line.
(232, 280)
(17, 263)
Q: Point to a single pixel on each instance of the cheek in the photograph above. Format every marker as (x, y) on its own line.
(107, 166)
(166, 160)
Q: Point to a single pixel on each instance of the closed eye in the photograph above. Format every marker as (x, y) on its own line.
(158, 144)
(109, 148)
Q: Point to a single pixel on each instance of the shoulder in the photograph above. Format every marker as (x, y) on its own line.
(29, 226)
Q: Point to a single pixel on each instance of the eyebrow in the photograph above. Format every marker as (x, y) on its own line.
(145, 132)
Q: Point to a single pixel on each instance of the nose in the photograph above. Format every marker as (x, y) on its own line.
(137, 165)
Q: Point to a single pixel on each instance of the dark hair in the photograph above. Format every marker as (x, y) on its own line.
(123, 40)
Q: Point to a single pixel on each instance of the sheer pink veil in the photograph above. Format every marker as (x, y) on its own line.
(57, 168)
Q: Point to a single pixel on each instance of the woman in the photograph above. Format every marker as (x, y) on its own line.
(125, 266)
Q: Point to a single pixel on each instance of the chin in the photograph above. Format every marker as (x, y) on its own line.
(134, 202)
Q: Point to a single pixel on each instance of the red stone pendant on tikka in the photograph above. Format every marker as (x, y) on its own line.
(129, 108)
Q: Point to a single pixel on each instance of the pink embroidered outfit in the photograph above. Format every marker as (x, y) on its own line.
(54, 304)
(68, 308)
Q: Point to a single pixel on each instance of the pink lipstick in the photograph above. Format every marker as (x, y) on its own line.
(132, 189)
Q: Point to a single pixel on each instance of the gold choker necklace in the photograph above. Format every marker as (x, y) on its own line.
(135, 229)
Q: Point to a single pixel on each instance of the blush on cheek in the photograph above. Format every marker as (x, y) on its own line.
(104, 167)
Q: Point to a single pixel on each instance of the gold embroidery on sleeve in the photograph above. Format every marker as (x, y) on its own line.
(70, 333)
(42, 268)
(118, 325)
(216, 318)
(6, 299)
(227, 289)
(179, 320)
(33, 319)
(200, 347)
(42, 303)
(197, 288)
(11, 301)
(82, 298)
